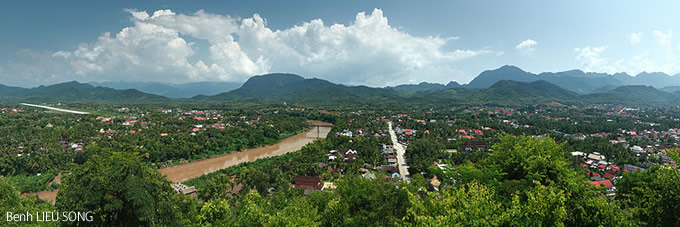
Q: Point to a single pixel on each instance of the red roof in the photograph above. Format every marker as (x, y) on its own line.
(609, 175)
(594, 173)
(605, 183)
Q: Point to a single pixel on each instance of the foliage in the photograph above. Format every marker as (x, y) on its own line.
(652, 196)
(120, 190)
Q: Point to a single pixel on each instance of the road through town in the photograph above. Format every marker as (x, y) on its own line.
(401, 160)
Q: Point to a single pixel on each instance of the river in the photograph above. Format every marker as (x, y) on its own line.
(180, 173)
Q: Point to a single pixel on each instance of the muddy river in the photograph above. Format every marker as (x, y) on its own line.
(180, 173)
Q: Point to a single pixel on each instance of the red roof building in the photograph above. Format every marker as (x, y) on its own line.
(603, 183)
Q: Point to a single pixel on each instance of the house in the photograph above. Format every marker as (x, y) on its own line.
(632, 168)
(472, 145)
(609, 175)
(185, 190)
(577, 153)
(350, 155)
(308, 183)
(607, 184)
(596, 157)
(637, 149)
(389, 168)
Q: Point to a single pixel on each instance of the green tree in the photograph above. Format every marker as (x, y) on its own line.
(120, 190)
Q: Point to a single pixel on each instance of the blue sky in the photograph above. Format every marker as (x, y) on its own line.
(376, 43)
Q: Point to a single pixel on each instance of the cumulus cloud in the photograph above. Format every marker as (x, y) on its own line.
(527, 47)
(664, 38)
(635, 38)
(591, 57)
(594, 59)
(161, 46)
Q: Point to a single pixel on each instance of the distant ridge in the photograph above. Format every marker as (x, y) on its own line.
(507, 85)
(273, 88)
(74, 91)
(185, 90)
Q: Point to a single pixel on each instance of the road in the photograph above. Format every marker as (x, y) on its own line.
(54, 108)
(401, 160)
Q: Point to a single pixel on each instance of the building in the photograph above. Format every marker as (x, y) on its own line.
(185, 190)
(472, 145)
(308, 183)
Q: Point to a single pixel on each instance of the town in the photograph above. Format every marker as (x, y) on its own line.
(424, 149)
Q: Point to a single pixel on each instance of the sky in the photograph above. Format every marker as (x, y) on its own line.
(375, 43)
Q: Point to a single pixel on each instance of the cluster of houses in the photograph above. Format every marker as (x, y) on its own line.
(343, 154)
(603, 173)
(10, 110)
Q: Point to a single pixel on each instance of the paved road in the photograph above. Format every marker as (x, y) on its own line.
(401, 160)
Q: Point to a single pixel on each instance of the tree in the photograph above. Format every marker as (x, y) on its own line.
(470, 205)
(652, 196)
(120, 190)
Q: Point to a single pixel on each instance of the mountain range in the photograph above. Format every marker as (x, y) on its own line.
(73, 92)
(507, 85)
(575, 80)
(185, 90)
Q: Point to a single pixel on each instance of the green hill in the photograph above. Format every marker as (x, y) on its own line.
(74, 91)
(293, 88)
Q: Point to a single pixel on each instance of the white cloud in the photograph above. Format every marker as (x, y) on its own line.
(367, 51)
(591, 58)
(664, 38)
(635, 38)
(594, 59)
(527, 47)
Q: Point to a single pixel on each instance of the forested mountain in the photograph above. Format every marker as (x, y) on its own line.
(633, 94)
(185, 90)
(294, 88)
(507, 72)
(74, 91)
(575, 80)
(507, 85)
(289, 87)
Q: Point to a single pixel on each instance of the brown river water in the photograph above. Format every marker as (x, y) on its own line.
(180, 173)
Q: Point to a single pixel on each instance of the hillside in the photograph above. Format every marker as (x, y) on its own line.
(293, 88)
(633, 95)
(74, 91)
(505, 92)
(507, 72)
(574, 80)
(185, 90)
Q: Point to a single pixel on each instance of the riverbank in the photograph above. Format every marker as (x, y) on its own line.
(183, 172)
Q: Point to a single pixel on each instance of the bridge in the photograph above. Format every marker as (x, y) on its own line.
(319, 125)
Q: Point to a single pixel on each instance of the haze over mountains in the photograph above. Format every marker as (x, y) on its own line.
(506, 85)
